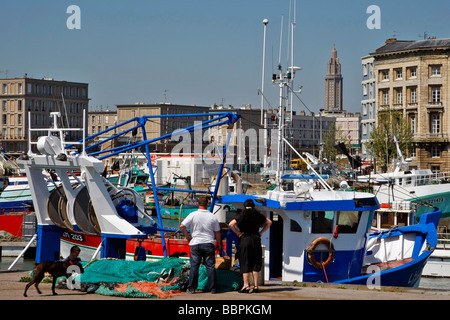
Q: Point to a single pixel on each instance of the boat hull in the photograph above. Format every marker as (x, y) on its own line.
(153, 246)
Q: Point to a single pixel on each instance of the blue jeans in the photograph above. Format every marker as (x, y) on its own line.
(206, 252)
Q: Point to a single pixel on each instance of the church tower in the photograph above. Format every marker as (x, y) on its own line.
(333, 84)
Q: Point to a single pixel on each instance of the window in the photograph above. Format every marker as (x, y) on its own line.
(348, 221)
(20, 88)
(19, 119)
(385, 97)
(295, 227)
(435, 152)
(435, 70)
(413, 73)
(385, 75)
(322, 221)
(399, 96)
(29, 88)
(19, 132)
(4, 120)
(435, 122)
(435, 94)
(413, 95)
(4, 105)
(19, 105)
(399, 74)
(413, 124)
(413, 152)
(5, 88)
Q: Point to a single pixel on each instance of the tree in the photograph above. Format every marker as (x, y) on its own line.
(329, 141)
(381, 144)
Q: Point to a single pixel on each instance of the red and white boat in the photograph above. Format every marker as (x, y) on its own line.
(175, 246)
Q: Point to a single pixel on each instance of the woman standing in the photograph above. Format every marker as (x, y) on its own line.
(247, 226)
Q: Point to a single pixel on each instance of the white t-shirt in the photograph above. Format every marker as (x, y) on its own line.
(204, 224)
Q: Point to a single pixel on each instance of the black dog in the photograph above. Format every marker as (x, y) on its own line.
(55, 269)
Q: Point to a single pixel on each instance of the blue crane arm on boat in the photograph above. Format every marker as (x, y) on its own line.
(215, 119)
(230, 118)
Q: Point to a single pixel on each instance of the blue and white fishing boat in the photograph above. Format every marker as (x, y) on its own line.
(323, 235)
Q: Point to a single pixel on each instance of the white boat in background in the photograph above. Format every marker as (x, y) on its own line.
(405, 189)
(404, 196)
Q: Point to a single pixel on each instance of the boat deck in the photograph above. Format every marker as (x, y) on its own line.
(387, 265)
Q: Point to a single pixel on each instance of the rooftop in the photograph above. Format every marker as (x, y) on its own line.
(394, 45)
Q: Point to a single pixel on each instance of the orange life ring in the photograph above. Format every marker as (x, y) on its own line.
(316, 264)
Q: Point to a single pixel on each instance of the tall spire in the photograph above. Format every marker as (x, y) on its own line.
(333, 84)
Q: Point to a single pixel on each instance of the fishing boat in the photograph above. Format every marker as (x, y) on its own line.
(405, 195)
(323, 235)
(93, 207)
(405, 188)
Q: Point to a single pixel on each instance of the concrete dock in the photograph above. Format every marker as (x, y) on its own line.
(12, 289)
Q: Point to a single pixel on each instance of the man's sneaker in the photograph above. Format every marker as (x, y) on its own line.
(190, 291)
(213, 291)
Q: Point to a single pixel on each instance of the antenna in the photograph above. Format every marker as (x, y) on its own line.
(281, 42)
(265, 22)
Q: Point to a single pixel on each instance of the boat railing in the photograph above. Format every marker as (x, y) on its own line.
(440, 177)
(443, 241)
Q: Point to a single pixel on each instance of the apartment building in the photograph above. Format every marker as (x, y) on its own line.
(101, 120)
(412, 77)
(24, 98)
(368, 103)
(159, 126)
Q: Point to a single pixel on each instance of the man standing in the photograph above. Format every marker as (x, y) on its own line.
(205, 229)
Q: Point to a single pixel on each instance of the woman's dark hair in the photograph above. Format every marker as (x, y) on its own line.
(249, 204)
(248, 215)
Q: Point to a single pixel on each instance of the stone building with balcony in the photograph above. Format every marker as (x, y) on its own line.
(412, 77)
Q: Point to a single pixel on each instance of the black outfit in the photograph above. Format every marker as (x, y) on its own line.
(250, 251)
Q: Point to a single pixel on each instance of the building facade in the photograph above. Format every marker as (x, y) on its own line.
(24, 97)
(334, 85)
(348, 131)
(159, 126)
(101, 120)
(412, 77)
(368, 103)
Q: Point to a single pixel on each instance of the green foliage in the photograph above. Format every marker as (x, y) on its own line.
(390, 123)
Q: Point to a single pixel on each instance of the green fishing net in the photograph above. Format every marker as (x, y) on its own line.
(142, 279)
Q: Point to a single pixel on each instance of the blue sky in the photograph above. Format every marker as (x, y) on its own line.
(202, 51)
